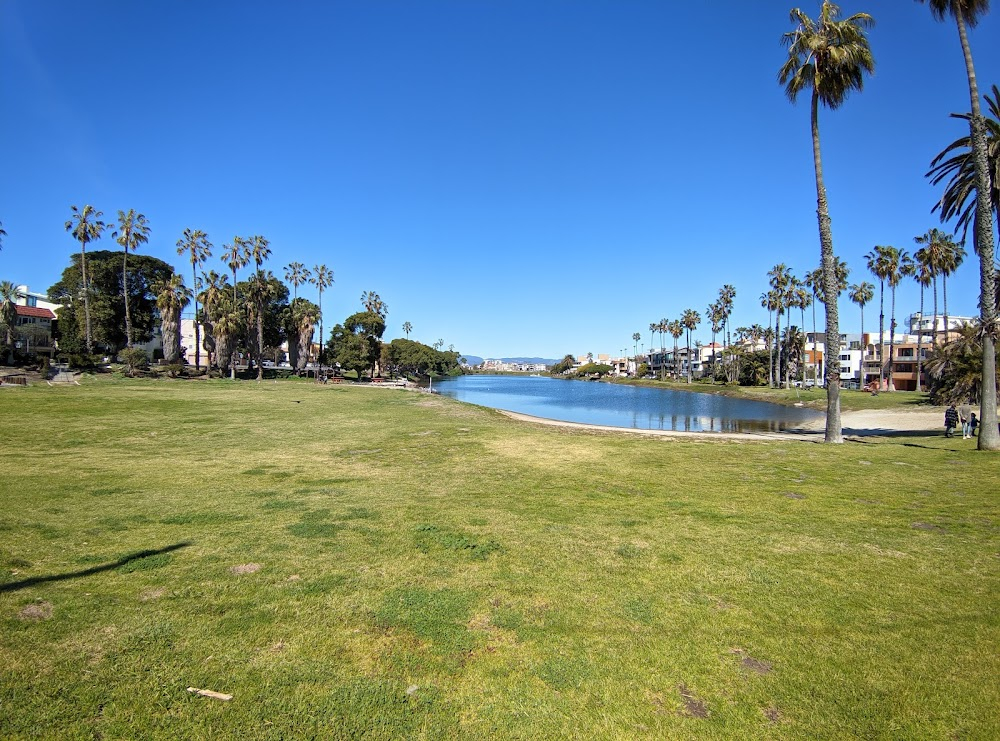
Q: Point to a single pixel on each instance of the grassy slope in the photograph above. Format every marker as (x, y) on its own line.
(527, 581)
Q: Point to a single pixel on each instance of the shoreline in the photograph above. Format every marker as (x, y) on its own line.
(855, 424)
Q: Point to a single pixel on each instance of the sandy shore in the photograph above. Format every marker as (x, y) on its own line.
(857, 424)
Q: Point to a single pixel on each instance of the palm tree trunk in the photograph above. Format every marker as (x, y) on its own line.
(934, 331)
(770, 353)
(944, 298)
(86, 298)
(920, 337)
(881, 334)
(834, 433)
(197, 329)
(260, 343)
(989, 435)
(892, 336)
(864, 346)
(777, 346)
(128, 314)
(688, 356)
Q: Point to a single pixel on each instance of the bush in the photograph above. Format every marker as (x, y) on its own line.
(135, 360)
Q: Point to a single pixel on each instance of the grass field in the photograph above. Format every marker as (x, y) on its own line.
(355, 562)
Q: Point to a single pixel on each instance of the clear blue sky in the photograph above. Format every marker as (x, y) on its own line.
(529, 177)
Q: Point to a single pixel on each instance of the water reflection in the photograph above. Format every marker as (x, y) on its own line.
(624, 406)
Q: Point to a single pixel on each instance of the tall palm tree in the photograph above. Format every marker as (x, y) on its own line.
(663, 327)
(714, 316)
(297, 274)
(830, 57)
(653, 326)
(932, 254)
(259, 250)
(8, 314)
(407, 328)
(968, 13)
(878, 263)
(322, 278)
(635, 338)
(861, 294)
(896, 265)
(133, 230)
(952, 255)
(727, 295)
(803, 299)
(814, 280)
(214, 291)
(171, 298)
(676, 329)
(778, 278)
(195, 243)
(236, 256)
(920, 270)
(690, 319)
(86, 227)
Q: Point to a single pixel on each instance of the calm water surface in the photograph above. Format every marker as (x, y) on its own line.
(624, 406)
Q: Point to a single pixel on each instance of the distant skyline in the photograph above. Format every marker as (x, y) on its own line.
(515, 178)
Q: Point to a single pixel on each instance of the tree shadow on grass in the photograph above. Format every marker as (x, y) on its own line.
(24, 583)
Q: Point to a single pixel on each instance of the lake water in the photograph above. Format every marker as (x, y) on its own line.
(619, 405)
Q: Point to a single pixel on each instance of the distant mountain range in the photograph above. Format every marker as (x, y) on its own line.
(476, 360)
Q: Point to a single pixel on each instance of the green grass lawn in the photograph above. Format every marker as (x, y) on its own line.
(357, 562)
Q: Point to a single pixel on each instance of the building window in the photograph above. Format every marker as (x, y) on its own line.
(30, 301)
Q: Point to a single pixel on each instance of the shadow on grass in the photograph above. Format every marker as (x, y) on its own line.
(24, 583)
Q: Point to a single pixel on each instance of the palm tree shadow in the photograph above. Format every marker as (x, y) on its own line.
(24, 583)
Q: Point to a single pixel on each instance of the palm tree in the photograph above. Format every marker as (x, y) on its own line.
(8, 314)
(778, 278)
(896, 266)
(297, 274)
(714, 316)
(727, 295)
(690, 320)
(259, 250)
(862, 294)
(920, 269)
(959, 198)
(968, 13)
(931, 254)
(829, 57)
(322, 278)
(214, 291)
(226, 328)
(195, 243)
(407, 328)
(171, 298)
(803, 299)
(878, 263)
(303, 315)
(133, 230)
(676, 329)
(767, 302)
(86, 227)
(952, 255)
(635, 339)
(374, 303)
(236, 255)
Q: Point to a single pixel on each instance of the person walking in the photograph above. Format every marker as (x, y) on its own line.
(950, 420)
(964, 415)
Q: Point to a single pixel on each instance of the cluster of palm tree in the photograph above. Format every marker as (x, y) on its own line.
(830, 56)
(226, 313)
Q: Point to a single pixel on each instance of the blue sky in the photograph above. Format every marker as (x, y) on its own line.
(513, 177)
